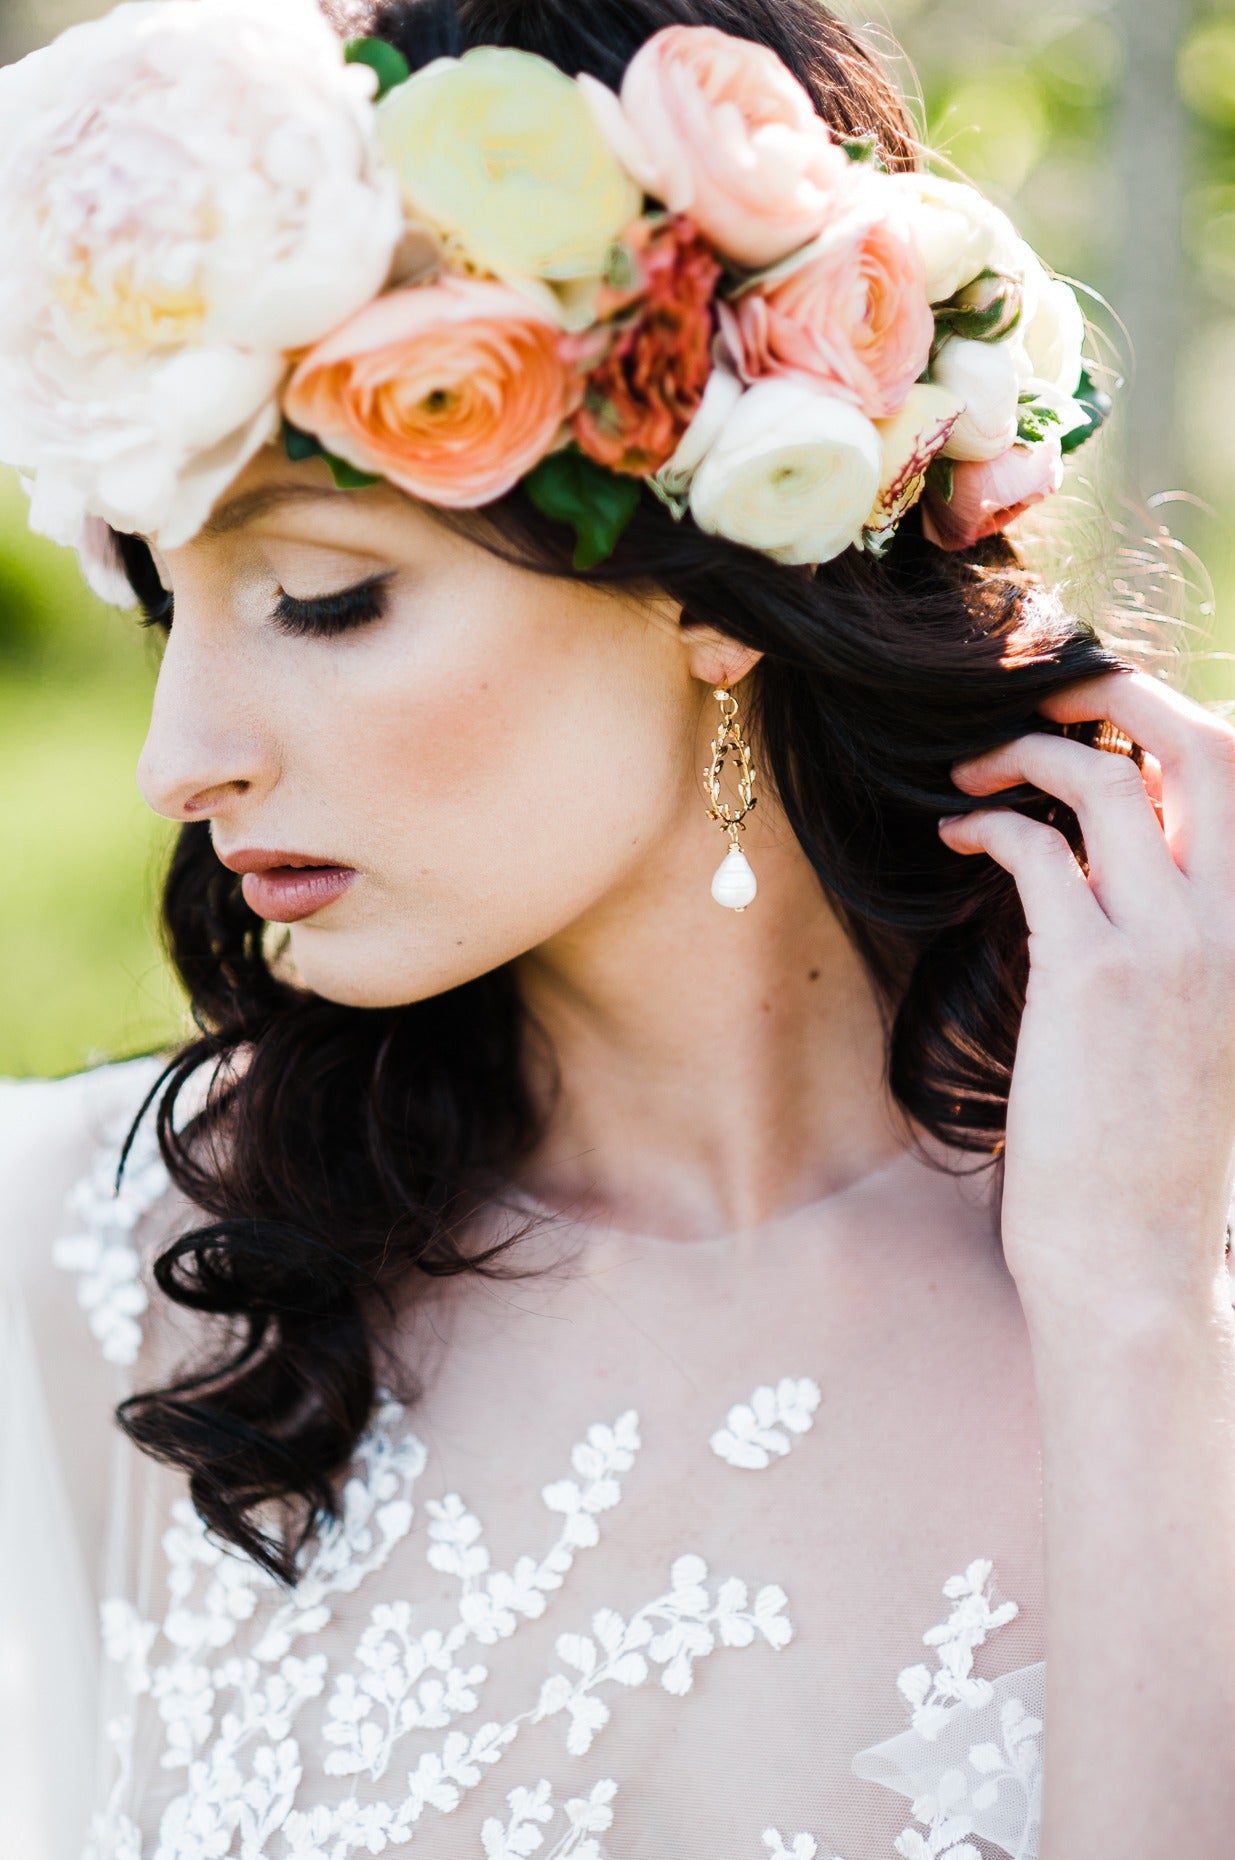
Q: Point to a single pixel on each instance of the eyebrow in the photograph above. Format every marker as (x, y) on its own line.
(262, 502)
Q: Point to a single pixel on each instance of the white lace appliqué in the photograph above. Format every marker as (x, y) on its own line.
(756, 1429)
(933, 1696)
(230, 1670)
(102, 1252)
(228, 1710)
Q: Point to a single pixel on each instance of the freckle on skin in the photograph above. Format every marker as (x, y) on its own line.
(813, 976)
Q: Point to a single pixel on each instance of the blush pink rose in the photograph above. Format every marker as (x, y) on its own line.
(987, 496)
(718, 127)
(452, 391)
(855, 316)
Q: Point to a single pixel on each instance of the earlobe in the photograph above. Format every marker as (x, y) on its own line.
(715, 658)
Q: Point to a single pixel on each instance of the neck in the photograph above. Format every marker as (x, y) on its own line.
(717, 1069)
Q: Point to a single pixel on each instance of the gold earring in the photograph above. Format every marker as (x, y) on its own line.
(734, 884)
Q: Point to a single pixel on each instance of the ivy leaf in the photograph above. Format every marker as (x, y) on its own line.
(299, 445)
(568, 487)
(1035, 423)
(864, 148)
(941, 478)
(389, 63)
(1097, 404)
(346, 476)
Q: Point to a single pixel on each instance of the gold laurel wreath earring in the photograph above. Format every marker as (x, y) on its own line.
(734, 885)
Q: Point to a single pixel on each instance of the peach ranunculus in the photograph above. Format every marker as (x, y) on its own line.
(452, 391)
(854, 315)
(718, 127)
(988, 495)
(644, 393)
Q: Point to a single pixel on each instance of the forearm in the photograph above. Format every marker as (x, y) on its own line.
(1137, 1416)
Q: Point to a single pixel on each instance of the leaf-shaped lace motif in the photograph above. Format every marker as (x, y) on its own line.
(232, 1679)
(102, 1252)
(757, 1429)
(935, 1696)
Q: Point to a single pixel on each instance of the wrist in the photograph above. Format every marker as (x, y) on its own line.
(1123, 1316)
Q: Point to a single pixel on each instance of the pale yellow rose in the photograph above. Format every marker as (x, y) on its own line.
(499, 150)
(911, 439)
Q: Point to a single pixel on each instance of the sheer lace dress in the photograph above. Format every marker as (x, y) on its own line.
(718, 1549)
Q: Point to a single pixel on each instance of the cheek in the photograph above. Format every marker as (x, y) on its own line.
(501, 768)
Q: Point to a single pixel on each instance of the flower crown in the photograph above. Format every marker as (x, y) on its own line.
(219, 226)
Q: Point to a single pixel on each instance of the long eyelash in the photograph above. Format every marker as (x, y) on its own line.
(334, 613)
(156, 613)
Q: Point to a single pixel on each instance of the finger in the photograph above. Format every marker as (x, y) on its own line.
(1052, 887)
(1194, 749)
(1130, 864)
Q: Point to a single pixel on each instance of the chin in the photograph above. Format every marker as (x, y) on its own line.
(341, 970)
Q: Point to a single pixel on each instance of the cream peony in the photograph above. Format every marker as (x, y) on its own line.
(987, 377)
(499, 150)
(958, 231)
(793, 473)
(188, 188)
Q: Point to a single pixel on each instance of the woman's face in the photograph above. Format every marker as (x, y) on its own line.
(499, 755)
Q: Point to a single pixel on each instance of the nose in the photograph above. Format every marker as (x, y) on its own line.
(207, 745)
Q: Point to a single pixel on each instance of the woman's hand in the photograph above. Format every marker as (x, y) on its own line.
(1121, 1118)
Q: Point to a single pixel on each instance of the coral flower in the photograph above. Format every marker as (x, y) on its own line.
(854, 315)
(644, 393)
(450, 390)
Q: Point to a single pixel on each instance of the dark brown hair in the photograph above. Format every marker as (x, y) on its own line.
(356, 1140)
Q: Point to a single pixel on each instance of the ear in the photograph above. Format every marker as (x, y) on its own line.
(715, 658)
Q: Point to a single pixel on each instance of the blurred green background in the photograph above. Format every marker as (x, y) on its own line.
(1107, 126)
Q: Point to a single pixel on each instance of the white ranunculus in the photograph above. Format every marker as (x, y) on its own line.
(1054, 336)
(720, 397)
(958, 231)
(188, 190)
(793, 472)
(987, 377)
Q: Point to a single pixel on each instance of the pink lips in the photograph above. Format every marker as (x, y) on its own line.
(284, 887)
(285, 896)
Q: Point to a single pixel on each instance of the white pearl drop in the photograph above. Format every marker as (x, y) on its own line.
(734, 884)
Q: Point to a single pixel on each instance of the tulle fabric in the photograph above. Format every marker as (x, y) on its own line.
(721, 1549)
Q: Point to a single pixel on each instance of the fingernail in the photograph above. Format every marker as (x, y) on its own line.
(951, 820)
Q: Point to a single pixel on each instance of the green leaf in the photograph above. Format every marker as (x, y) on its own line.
(346, 476)
(941, 478)
(298, 445)
(391, 66)
(568, 487)
(863, 148)
(1035, 423)
(620, 272)
(676, 502)
(1098, 406)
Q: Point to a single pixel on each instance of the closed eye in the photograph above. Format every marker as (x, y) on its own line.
(333, 613)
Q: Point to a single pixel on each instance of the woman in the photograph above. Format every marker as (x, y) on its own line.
(601, 1373)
